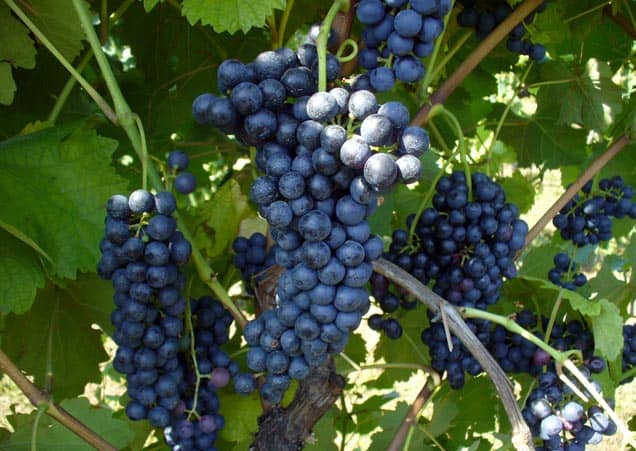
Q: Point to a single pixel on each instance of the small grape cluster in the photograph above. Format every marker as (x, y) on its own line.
(204, 368)
(485, 15)
(556, 417)
(255, 105)
(141, 254)
(466, 246)
(563, 265)
(184, 182)
(397, 34)
(629, 348)
(251, 256)
(458, 361)
(587, 218)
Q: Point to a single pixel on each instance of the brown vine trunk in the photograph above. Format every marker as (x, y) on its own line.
(287, 429)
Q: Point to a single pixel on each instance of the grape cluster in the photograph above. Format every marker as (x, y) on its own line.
(465, 246)
(195, 419)
(513, 353)
(587, 218)
(184, 182)
(264, 101)
(397, 34)
(317, 204)
(629, 348)
(141, 254)
(555, 415)
(326, 157)
(563, 264)
(485, 15)
(251, 256)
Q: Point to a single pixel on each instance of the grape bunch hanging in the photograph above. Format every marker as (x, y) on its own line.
(397, 34)
(326, 156)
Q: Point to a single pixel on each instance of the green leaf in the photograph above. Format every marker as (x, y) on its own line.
(21, 274)
(60, 25)
(478, 410)
(519, 191)
(53, 436)
(7, 84)
(608, 330)
(59, 325)
(150, 4)
(16, 49)
(590, 98)
(230, 15)
(408, 349)
(323, 434)
(527, 289)
(216, 230)
(608, 286)
(381, 221)
(69, 180)
(537, 139)
(538, 260)
(241, 414)
(16, 46)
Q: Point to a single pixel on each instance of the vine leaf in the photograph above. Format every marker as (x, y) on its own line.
(16, 49)
(21, 273)
(216, 229)
(7, 84)
(243, 416)
(230, 15)
(604, 316)
(590, 99)
(150, 4)
(65, 33)
(519, 191)
(608, 330)
(59, 323)
(51, 434)
(64, 175)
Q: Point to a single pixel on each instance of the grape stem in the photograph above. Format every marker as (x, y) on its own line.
(559, 299)
(512, 326)
(628, 26)
(428, 78)
(461, 142)
(599, 399)
(448, 56)
(561, 358)
(130, 122)
(427, 198)
(628, 375)
(410, 418)
(323, 38)
(521, 436)
(503, 117)
(473, 60)
(96, 96)
(283, 23)
(586, 176)
(38, 399)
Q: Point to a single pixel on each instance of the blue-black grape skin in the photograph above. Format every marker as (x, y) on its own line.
(322, 237)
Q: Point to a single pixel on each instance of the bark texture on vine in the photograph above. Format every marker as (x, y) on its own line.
(288, 428)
